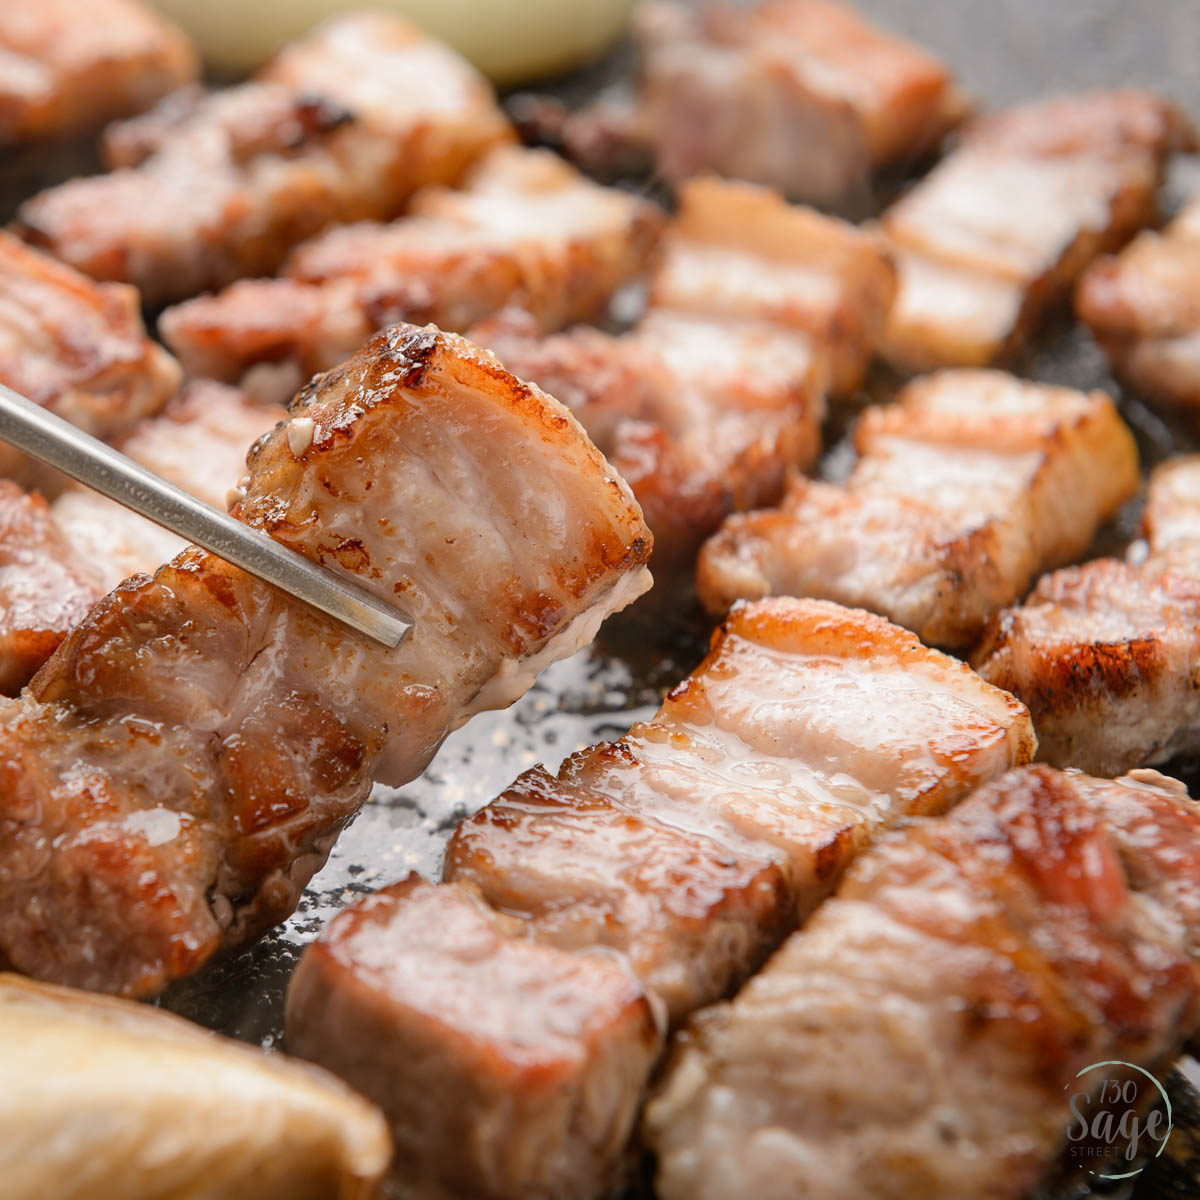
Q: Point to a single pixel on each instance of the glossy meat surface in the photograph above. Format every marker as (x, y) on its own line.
(734, 250)
(998, 233)
(103, 1099)
(344, 125)
(46, 587)
(701, 416)
(684, 851)
(68, 66)
(804, 95)
(920, 1038)
(181, 766)
(1107, 655)
(1143, 307)
(420, 993)
(525, 228)
(76, 347)
(964, 490)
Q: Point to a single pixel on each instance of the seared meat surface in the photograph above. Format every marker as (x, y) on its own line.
(525, 228)
(803, 95)
(199, 443)
(1143, 307)
(179, 769)
(920, 1038)
(46, 586)
(965, 489)
(68, 66)
(76, 347)
(1107, 655)
(999, 232)
(681, 853)
(344, 125)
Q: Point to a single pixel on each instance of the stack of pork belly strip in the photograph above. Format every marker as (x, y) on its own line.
(68, 66)
(920, 1038)
(525, 228)
(1000, 231)
(1107, 655)
(965, 490)
(803, 95)
(344, 125)
(505, 1018)
(716, 394)
(1143, 307)
(76, 347)
(177, 771)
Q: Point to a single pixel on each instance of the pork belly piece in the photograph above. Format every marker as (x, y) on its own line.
(1143, 307)
(69, 66)
(526, 228)
(46, 586)
(344, 125)
(700, 416)
(998, 233)
(104, 1099)
(179, 769)
(421, 993)
(76, 347)
(199, 443)
(734, 250)
(965, 489)
(683, 852)
(804, 95)
(1107, 655)
(920, 1039)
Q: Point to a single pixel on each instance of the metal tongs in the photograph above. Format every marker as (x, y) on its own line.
(51, 440)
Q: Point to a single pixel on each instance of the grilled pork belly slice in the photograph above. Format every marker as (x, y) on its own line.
(920, 1038)
(1143, 307)
(103, 1099)
(76, 347)
(1107, 655)
(46, 586)
(344, 125)
(526, 228)
(803, 95)
(734, 250)
(199, 443)
(965, 489)
(999, 232)
(69, 66)
(441, 1009)
(700, 416)
(179, 769)
(685, 852)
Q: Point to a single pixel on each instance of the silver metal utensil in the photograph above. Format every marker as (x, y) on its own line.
(51, 440)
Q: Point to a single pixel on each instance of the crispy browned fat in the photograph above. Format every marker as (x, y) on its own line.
(343, 125)
(179, 769)
(69, 66)
(503, 1018)
(921, 1037)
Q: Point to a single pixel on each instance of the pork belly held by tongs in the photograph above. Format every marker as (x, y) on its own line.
(179, 769)
(76, 347)
(525, 229)
(1143, 307)
(998, 233)
(965, 489)
(343, 125)
(920, 1038)
(69, 66)
(1107, 655)
(507, 1019)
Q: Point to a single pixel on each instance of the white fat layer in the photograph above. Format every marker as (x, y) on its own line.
(516, 676)
(300, 435)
